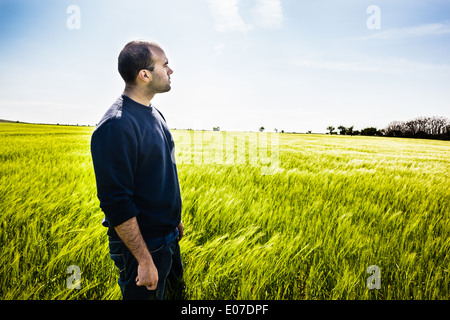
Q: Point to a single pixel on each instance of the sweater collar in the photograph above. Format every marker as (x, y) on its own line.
(137, 104)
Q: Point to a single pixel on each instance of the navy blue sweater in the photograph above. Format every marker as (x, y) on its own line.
(132, 151)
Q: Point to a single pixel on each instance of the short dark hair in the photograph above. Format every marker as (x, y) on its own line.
(134, 57)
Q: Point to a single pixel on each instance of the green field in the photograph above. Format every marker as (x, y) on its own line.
(335, 206)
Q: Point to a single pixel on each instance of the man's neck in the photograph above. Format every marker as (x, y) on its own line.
(138, 96)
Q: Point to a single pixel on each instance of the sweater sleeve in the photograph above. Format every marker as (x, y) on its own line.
(114, 155)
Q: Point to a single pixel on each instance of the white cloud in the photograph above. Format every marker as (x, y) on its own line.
(268, 13)
(218, 49)
(226, 16)
(335, 65)
(366, 64)
(265, 14)
(417, 31)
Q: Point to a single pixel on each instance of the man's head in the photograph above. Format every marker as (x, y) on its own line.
(144, 64)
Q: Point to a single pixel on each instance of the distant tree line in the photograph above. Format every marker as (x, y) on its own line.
(371, 131)
(422, 127)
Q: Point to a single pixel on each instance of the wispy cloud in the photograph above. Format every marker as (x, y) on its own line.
(416, 31)
(318, 63)
(265, 14)
(218, 49)
(367, 64)
(226, 16)
(268, 13)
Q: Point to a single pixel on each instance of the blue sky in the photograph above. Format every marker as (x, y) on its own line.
(238, 64)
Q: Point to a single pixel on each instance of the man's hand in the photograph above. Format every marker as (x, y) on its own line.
(147, 275)
(131, 235)
(180, 230)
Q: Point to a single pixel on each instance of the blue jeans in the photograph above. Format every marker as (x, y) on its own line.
(166, 255)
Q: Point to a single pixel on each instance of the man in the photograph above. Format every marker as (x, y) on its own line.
(137, 180)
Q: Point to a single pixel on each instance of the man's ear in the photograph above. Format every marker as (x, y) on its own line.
(145, 76)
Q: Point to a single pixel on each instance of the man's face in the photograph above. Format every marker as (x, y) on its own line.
(161, 74)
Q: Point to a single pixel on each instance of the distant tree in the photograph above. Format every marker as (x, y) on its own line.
(276, 130)
(261, 129)
(371, 131)
(331, 129)
(342, 130)
(309, 132)
(349, 131)
(395, 129)
(422, 127)
(216, 128)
